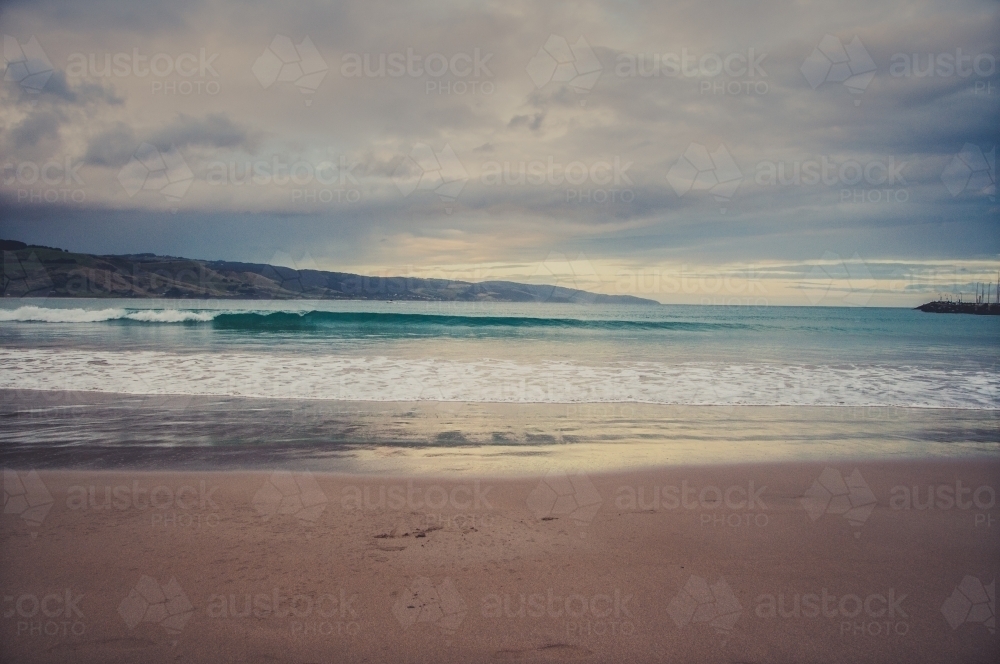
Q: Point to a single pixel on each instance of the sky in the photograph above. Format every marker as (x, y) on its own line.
(836, 154)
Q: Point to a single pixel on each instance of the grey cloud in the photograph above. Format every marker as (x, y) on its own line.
(532, 122)
(215, 130)
(33, 129)
(138, 15)
(114, 146)
(85, 92)
(650, 121)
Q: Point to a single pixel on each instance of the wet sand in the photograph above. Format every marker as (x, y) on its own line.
(781, 562)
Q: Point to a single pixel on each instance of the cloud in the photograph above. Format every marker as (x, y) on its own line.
(114, 146)
(532, 122)
(647, 117)
(215, 130)
(83, 93)
(33, 129)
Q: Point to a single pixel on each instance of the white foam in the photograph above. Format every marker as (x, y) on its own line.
(378, 378)
(170, 316)
(32, 314)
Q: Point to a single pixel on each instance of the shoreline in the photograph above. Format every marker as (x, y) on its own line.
(102, 430)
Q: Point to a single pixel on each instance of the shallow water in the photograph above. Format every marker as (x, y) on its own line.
(500, 388)
(94, 430)
(515, 353)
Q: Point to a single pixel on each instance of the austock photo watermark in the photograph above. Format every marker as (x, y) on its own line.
(581, 615)
(843, 610)
(178, 505)
(56, 180)
(600, 181)
(879, 180)
(732, 506)
(170, 74)
(850, 496)
(321, 613)
(979, 68)
(737, 73)
(452, 74)
(736, 286)
(438, 605)
(854, 613)
(579, 181)
(169, 507)
(325, 181)
(422, 507)
(47, 615)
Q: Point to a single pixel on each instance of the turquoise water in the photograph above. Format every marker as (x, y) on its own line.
(496, 352)
(405, 386)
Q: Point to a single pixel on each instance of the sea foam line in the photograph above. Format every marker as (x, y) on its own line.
(33, 314)
(378, 378)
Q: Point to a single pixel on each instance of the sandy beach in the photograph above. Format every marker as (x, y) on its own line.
(794, 562)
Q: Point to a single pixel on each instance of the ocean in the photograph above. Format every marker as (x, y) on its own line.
(376, 385)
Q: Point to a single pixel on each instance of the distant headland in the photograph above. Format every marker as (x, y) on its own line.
(39, 271)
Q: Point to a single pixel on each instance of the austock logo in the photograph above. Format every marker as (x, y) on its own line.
(149, 169)
(837, 281)
(833, 62)
(285, 492)
(23, 278)
(424, 602)
(578, 275)
(27, 65)
(561, 494)
(559, 62)
(972, 601)
(26, 496)
(165, 605)
(285, 61)
(700, 170)
(425, 169)
(698, 602)
(973, 170)
(849, 497)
